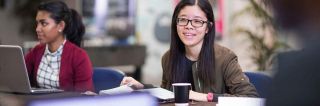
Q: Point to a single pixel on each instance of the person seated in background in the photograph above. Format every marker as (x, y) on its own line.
(58, 61)
(195, 58)
(297, 78)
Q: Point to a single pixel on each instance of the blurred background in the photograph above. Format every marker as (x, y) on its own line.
(132, 35)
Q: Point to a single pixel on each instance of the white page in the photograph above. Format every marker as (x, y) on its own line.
(160, 93)
(240, 101)
(117, 90)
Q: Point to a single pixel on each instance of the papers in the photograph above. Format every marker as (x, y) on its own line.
(117, 90)
(240, 101)
(159, 93)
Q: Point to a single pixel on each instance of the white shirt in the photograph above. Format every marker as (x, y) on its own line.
(49, 68)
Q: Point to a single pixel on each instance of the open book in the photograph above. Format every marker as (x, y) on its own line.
(159, 93)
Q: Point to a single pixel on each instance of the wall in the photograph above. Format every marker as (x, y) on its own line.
(9, 26)
(148, 13)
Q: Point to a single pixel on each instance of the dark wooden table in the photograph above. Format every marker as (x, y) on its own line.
(194, 104)
(119, 55)
(8, 99)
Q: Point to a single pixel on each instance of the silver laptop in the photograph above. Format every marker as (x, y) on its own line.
(13, 72)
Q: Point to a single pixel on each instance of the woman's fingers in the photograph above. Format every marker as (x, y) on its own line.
(132, 82)
(126, 80)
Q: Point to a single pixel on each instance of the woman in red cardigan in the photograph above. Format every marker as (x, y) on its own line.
(58, 61)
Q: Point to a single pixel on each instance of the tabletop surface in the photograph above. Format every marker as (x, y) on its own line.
(9, 99)
(193, 104)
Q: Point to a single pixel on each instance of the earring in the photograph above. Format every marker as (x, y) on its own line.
(60, 30)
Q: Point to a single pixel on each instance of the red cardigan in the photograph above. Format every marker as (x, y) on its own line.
(75, 71)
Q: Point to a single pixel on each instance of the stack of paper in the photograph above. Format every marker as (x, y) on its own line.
(117, 90)
(240, 101)
(159, 93)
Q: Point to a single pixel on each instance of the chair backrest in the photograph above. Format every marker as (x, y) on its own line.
(106, 78)
(261, 81)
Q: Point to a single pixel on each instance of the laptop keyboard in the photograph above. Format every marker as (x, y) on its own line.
(45, 90)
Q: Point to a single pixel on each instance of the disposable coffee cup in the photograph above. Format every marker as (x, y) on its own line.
(181, 93)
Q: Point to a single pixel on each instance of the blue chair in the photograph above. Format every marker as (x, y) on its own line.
(261, 81)
(106, 78)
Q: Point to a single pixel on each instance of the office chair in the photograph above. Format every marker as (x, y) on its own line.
(106, 78)
(261, 81)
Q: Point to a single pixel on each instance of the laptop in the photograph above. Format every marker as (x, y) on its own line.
(13, 72)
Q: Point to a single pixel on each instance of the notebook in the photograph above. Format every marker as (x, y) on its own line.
(13, 72)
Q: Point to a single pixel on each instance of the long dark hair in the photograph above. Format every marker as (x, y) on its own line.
(206, 60)
(74, 29)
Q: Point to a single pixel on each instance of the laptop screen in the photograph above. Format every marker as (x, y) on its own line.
(13, 73)
(135, 99)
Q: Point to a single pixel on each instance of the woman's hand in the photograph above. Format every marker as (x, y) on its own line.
(89, 93)
(197, 96)
(131, 81)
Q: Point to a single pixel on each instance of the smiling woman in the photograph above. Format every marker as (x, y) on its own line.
(58, 61)
(194, 58)
(192, 34)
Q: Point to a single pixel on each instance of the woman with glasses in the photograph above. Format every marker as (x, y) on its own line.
(194, 58)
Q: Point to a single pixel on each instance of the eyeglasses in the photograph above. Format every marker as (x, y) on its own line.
(195, 22)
